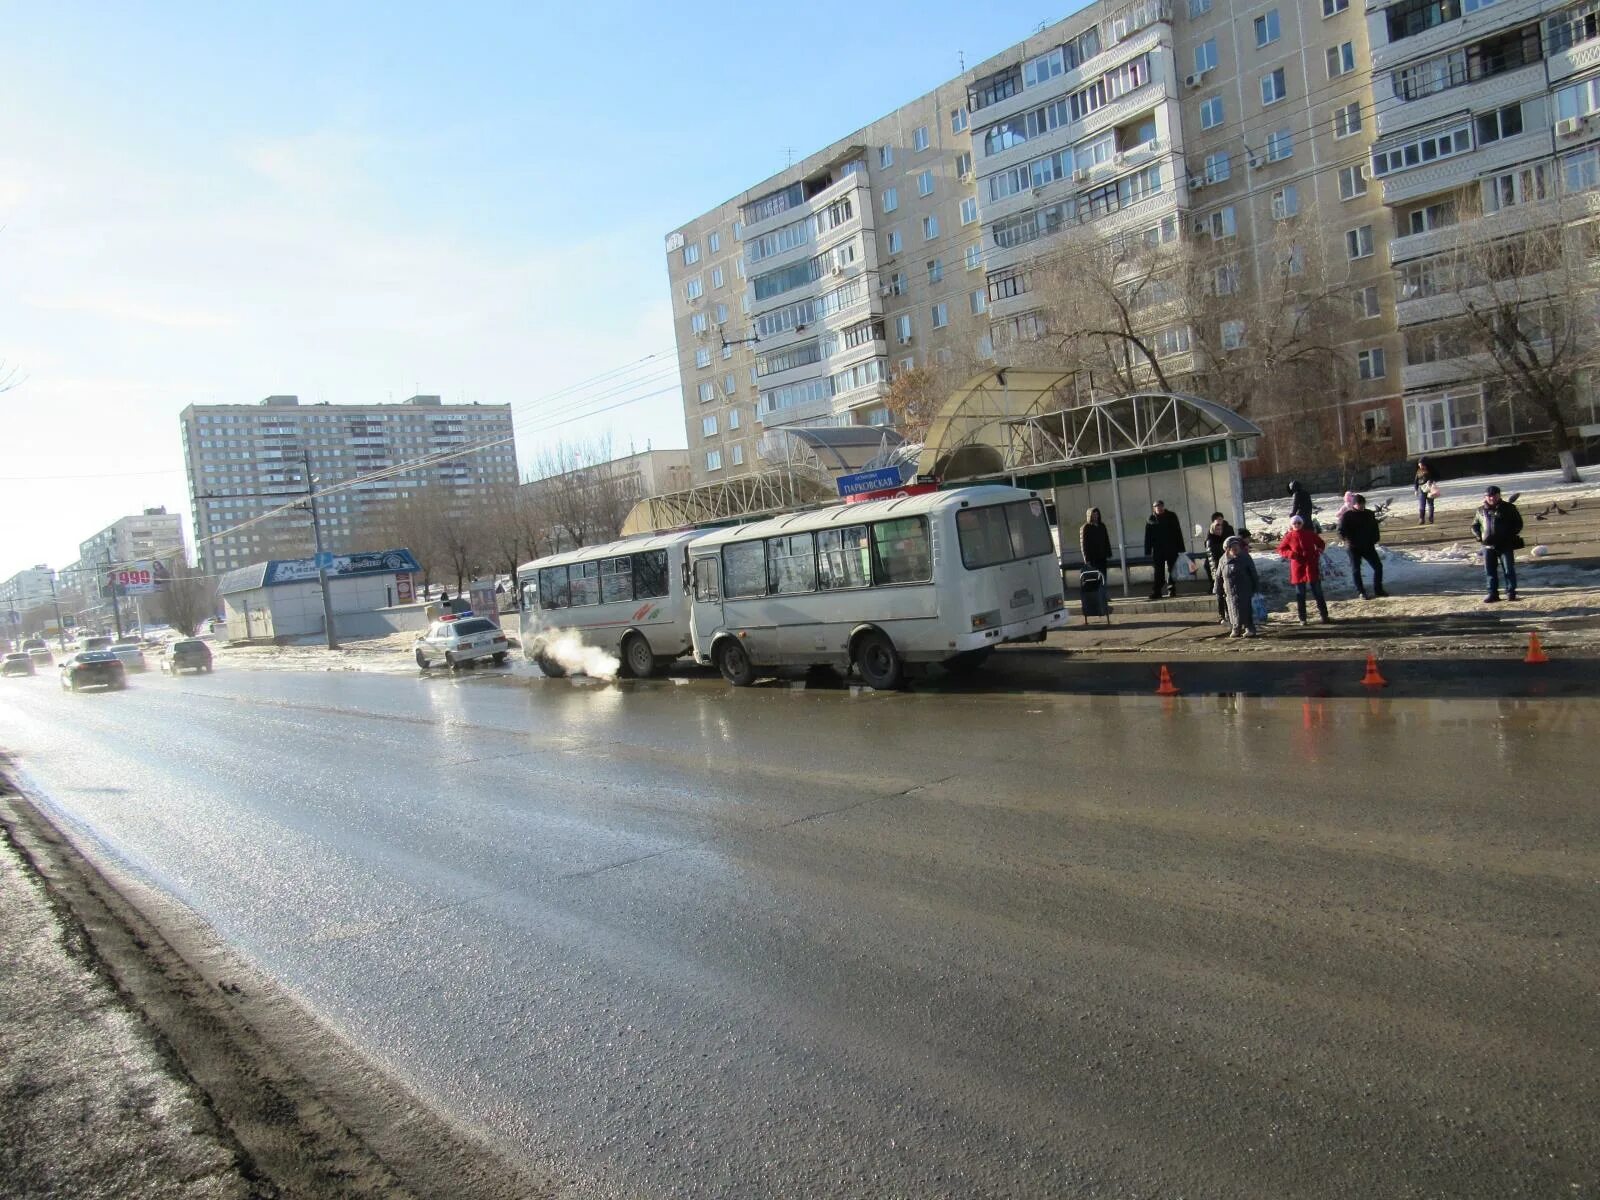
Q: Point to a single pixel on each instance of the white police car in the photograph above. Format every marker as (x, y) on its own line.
(460, 638)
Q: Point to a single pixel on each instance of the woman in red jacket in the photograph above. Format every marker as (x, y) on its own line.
(1303, 549)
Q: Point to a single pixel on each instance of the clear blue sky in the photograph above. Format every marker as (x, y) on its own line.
(354, 202)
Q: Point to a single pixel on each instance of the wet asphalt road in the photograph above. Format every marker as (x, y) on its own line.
(670, 940)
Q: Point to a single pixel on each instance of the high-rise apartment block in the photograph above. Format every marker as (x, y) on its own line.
(1242, 133)
(154, 534)
(247, 460)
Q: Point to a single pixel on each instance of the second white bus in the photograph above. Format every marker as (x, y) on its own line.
(629, 598)
(937, 578)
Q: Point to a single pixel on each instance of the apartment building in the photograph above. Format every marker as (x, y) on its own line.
(246, 460)
(1241, 128)
(153, 534)
(28, 588)
(1488, 131)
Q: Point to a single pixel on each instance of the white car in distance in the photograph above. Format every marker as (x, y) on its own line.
(461, 638)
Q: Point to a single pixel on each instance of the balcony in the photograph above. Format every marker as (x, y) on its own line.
(1413, 183)
(805, 411)
(1436, 374)
(1149, 38)
(1478, 95)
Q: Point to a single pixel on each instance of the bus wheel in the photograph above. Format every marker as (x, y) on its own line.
(967, 662)
(549, 666)
(879, 662)
(734, 664)
(637, 656)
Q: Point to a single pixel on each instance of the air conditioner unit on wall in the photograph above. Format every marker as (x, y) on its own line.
(1569, 127)
(1192, 80)
(1196, 182)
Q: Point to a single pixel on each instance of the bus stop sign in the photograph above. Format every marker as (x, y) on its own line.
(869, 481)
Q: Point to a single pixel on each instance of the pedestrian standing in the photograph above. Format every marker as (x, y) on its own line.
(1426, 486)
(1237, 584)
(1299, 501)
(1360, 531)
(1163, 542)
(1303, 547)
(1094, 543)
(1217, 535)
(1498, 526)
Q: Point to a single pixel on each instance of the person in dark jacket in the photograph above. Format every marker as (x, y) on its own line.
(1498, 526)
(1237, 584)
(1217, 535)
(1163, 542)
(1359, 529)
(1094, 543)
(1299, 501)
(1426, 486)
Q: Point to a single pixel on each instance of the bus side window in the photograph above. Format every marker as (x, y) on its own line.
(553, 592)
(844, 558)
(744, 569)
(705, 579)
(616, 579)
(650, 574)
(901, 551)
(791, 564)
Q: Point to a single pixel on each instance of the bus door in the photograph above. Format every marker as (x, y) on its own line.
(706, 611)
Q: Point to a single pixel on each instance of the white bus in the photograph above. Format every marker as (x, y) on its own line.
(630, 598)
(938, 578)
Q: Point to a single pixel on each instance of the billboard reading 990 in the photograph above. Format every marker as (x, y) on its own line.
(135, 579)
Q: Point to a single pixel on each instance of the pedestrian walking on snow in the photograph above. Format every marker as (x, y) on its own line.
(1163, 542)
(1217, 536)
(1359, 529)
(1498, 526)
(1299, 501)
(1094, 542)
(1303, 548)
(1237, 584)
(1426, 486)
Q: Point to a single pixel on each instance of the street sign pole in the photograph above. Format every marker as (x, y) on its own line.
(116, 601)
(322, 560)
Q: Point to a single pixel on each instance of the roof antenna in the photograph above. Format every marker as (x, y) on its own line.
(961, 57)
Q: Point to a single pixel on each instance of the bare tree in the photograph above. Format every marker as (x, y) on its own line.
(187, 597)
(915, 398)
(1525, 313)
(579, 495)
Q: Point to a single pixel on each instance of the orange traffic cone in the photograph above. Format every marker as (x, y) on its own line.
(1536, 652)
(1372, 678)
(1166, 687)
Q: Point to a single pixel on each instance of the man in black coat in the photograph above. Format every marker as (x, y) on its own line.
(1299, 502)
(1498, 526)
(1359, 529)
(1163, 542)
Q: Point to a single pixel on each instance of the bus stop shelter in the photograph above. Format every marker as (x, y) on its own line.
(1119, 454)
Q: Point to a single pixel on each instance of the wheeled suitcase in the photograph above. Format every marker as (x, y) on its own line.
(1092, 598)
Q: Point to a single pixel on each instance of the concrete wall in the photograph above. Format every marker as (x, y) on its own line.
(295, 609)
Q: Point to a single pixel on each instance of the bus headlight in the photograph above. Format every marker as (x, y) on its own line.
(986, 620)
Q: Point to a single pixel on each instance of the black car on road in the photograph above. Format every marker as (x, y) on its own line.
(189, 654)
(93, 668)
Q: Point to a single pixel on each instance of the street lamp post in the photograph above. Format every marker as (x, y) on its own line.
(322, 564)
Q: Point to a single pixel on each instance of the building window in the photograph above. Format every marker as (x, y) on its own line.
(1225, 279)
(964, 164)
(935, 270)
(716, 277)
(1220, 223)
(1358, 243)
(1211, 112)
(1331, 8)
(919, 138)
(713, 241)
(708, 425)
(975, 256)
(892, 242)
(885, 156)
(708, 392)
(924, 183)
(1352, 183)
(1580, 172)
(1500, 123)
(1232, 335)
(1294, 262)
(702, 357)
(1367, 305)
(977, 302)
(736, 456)
(730, 385)
(1285, 202)
(941, 315)
(1515, 187)
(958, 120)
(693, 289)
(738, 230)
(1411, 17)
(902, 328)
(891, 199)
(1273, 87)
(1347, 120)
(1172, 340)
(1205, 56)
(1218, 167)
(930, 227)
(1370, 364)
(1280, 145)
(1267, 28)
(697, 322)
(733, 417)
(713, 460)
(1375, 425)
(722, 314)
(691, 254)
(1198, 8)
(1341, 59)
(969, 210)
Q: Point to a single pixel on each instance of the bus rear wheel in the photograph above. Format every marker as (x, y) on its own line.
(549, 666)
(637, 656)
(735, 664)
(879, 662)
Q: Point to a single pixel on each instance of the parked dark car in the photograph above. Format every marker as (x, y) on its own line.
(93, 668)
(190, 654)
(16, 663)
(35, 643)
